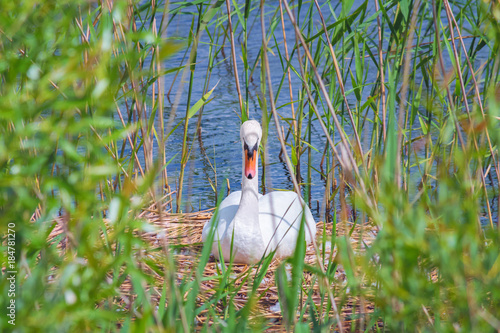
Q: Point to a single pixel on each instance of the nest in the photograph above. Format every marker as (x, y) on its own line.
(184, 232)
(179, 235)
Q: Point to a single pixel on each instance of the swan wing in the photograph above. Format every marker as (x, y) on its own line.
(280, 215)
(227, 210)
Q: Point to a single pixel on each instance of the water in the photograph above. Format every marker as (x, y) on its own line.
(220, 123)
(216, 154)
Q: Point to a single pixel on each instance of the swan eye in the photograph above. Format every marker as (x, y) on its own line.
(250, 151)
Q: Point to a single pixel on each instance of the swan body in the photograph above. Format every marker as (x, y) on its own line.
(253, 224)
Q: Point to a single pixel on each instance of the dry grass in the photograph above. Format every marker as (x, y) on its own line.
(181, 234)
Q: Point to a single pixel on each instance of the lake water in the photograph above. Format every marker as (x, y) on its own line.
(216, 154)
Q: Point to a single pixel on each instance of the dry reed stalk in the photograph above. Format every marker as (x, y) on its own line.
(233, 56)
(283, 146)
(295, 129)
(443, 71)
(458, 72)
(339, 76)
(322, 87)
(404, 93)
(451, 17)
(347, 161)
(381, 72)
(161, 98)
(185, 149)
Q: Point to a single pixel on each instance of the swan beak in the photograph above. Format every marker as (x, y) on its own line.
(251, 161)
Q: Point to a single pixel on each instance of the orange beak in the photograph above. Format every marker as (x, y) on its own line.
(250, 162)
(250, 166)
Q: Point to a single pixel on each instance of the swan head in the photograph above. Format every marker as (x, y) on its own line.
(250, 134)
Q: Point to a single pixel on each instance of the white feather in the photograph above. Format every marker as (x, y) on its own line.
(249, 225)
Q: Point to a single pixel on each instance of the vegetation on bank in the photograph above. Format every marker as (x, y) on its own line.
(85, 119)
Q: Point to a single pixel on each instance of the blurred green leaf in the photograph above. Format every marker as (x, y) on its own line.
(201, 102)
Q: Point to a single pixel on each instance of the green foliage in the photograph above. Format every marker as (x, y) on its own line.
(62, 77)
(79, 124)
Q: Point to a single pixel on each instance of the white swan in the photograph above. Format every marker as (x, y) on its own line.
(253, 223)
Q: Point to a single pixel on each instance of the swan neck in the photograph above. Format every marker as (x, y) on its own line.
(249, 204)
